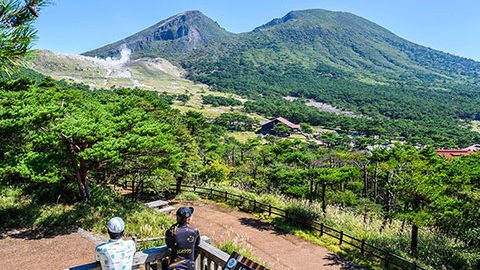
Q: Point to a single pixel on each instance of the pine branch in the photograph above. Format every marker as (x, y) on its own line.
(16, 31)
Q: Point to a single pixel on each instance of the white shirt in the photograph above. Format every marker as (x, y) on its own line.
(115, 254)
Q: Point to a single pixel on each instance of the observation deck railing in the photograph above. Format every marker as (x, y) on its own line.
(209, 258)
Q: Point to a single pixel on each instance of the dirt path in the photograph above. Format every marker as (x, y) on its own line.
(44, 249)
(48, 249)
(275, 248)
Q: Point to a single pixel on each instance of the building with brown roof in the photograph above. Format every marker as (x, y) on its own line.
(268, 127)
(449, 153)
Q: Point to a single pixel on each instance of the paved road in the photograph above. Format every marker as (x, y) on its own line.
(273, 247)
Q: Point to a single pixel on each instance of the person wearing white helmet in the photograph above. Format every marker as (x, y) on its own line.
(116, 254)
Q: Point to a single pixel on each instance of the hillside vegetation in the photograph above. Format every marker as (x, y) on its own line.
(409, 91)
(155, 74)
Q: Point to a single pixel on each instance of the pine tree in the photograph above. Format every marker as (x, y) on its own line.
(16, 30)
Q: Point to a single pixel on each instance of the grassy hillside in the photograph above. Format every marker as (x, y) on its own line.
(152, 74)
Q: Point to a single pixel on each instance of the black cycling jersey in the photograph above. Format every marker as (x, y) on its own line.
(183, 241)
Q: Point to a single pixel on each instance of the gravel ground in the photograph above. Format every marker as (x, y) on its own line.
(44, 249)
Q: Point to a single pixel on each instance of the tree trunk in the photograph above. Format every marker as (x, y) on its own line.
(414, 244)
(375, 189)
(414, 240)
(178, 188)
(365, 216)
(324, 198)
(84, 176)
(388, 199)
(133, 189)
(137, 189)
(365, 181)
(82, 183)
(316, 188)
(310, 196)
(142, 187)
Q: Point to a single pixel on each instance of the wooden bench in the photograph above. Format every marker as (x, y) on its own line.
(156, 204)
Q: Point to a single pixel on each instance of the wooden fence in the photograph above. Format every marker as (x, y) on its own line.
(389, 259)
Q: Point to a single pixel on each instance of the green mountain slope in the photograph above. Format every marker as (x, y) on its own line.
(350, 42)
(332, 57)
(334, 42)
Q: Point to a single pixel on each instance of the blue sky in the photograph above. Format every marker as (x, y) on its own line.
(75, 26)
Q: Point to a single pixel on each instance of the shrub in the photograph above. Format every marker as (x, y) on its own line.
(231, 246)
(188, 196)
(217, 101)
(302, 214)
(20, 210)
(274, 200)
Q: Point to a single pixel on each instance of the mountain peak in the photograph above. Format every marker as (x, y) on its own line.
(191, 13)
(318, 18)
(187, 31)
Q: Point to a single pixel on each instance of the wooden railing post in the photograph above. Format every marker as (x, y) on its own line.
(387, 259)
(194, 188)
(269, 210)
(362, 247)
(415, 266)
(214, 257)
(341, 238)
(226, 195)
(178, 188)
(211, 192)
(254, 205)
(321, 229)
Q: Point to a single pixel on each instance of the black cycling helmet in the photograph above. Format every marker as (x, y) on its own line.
(184, 212)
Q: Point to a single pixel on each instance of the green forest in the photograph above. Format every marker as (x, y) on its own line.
(407, 112)
(67, 140)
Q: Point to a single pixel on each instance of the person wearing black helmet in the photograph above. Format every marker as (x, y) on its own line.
(183, 240)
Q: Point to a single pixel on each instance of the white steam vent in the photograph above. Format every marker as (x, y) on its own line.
(124, 57)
